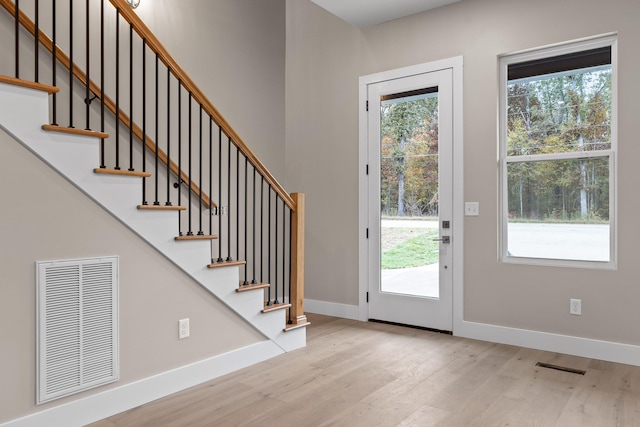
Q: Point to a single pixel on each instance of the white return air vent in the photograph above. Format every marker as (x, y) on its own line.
(77, 321)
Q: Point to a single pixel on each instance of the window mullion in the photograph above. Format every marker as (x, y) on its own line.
(574, 155)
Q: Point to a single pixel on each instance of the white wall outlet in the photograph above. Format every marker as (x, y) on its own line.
(183, 328)
(471, 208)
(575, 307)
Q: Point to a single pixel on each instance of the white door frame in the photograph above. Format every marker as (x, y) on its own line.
(455, 64)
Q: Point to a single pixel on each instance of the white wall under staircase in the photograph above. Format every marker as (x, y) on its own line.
(23, 111)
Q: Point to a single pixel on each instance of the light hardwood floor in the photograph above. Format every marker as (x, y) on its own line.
(370, 374)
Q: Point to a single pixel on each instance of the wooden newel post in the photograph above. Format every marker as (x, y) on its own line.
(297, 261)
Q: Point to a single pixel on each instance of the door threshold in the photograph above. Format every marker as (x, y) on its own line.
(424, 328)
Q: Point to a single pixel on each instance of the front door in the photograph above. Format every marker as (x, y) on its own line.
(410, 145)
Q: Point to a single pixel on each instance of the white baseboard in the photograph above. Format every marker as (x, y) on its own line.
(331, 309)
(99, 406)
(576, 346)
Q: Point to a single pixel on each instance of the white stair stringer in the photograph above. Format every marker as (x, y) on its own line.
(23, 112)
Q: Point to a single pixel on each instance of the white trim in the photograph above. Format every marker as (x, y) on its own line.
(363, 197)
(332, 309)
(505, 60)
(458, 192)
(411, 70)
(573, 155)
(560, 48)
(99, 406)
(456, 64)
(583, 347)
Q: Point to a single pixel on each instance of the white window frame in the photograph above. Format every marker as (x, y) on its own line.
(504, 159)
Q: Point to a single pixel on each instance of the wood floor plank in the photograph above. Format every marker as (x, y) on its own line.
(104, 423)
(365, 415)
(425, 416)
(478, 408)
(552, 400)
(503, 411)
(366, 374)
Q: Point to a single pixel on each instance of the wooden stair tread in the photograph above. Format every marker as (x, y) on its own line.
(226, 264)
(274, 307)
(75, 131)
(293, 326)
(197, 237)
(252, 287)
(30, 85)
(161, 208)
(125, 172)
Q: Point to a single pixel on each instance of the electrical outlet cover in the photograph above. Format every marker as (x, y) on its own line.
(183, 328)
(575, 307)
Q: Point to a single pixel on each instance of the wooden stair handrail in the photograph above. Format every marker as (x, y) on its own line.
(156, 47)
(63, 59)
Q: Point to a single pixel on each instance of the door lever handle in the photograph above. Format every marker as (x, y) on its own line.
(443, 239)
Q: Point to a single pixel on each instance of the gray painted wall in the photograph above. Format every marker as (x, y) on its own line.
(325, 57)
(234, 51)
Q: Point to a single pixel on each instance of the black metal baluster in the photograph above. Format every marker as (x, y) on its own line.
(253, 245)
(284, 248)
(179, 155)
(290, 321)
(229, 257)
(17, 37)
(117, 122)
(156, 177)
(275, 282)
(269, 242)
(102, 162)
(87, 95)
(168, 202)
(71, 64)
(144, 120)
(262, 235)
(189, 231)
(219, 208)
(36, 38)
(246, 179)
(131, 168)
(54, 50)
(211, 181)
(200, 232)
(238, 203)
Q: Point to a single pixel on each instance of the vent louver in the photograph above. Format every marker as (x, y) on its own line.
(77, 325)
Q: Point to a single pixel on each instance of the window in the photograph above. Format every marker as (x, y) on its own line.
(557, 155)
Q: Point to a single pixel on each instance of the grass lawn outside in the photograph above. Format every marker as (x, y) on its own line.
(408, 247)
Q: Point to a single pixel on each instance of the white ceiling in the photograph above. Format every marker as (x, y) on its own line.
(363, 13)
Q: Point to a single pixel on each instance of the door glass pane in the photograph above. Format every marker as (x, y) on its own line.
(409, 193)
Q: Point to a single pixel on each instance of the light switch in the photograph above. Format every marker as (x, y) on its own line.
(471, 208)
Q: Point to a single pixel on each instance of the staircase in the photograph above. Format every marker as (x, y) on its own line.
(243, 241)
